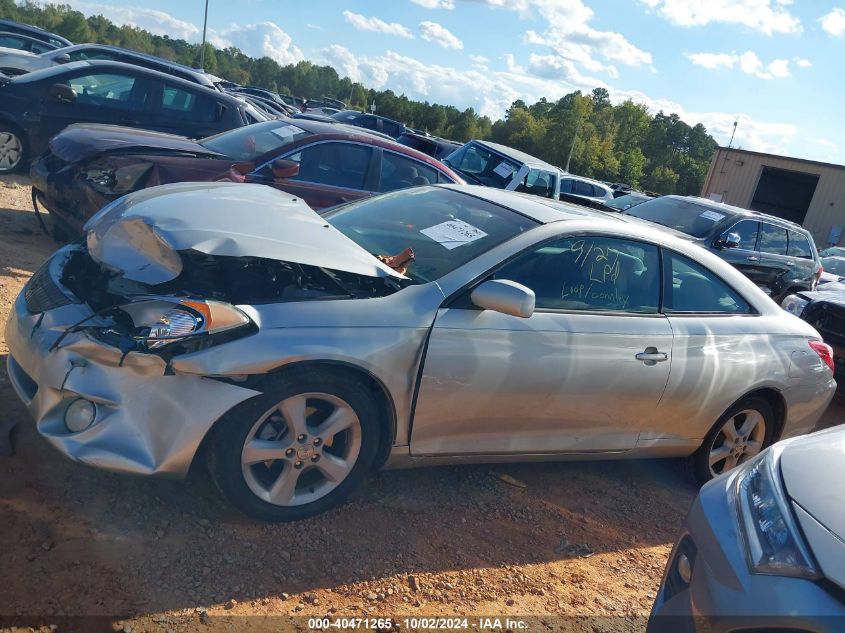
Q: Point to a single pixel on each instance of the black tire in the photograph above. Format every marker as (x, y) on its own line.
(5, 129)
(234, 429)
(699, 462)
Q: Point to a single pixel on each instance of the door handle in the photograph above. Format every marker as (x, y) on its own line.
(653, 357)
(753, 258)
(790, 263)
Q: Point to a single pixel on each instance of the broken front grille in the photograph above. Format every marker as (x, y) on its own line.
(42, 293)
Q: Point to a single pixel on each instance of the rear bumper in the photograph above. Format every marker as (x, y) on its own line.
(147, 422)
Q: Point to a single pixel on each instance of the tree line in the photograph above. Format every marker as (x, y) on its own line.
(586, 132)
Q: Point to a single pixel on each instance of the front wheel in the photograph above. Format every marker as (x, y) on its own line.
(299, 448)
(12, 149)
(740, 434)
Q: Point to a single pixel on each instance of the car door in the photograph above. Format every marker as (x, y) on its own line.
(397, 171)
(584, 373)
(102, 96)
(181, 110)
(774, 258)
(745, 257)
(715, 353)
(803, 267)
(330, 173)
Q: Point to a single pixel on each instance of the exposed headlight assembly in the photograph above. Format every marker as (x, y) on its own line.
(794, 304)
(773, 542)
(119, 180)
(157, 324)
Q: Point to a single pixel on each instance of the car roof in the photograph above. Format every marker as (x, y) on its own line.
(35, 30)
(516, 155)
(126, 51)
(738, 211)
(35, 75)
(542, 210)
(342, 131)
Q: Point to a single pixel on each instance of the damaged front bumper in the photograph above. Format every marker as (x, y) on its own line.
(146, 421)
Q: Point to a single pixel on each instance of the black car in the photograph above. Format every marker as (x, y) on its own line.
(824, 309)
(431, 145)
(36, 106)
(393, 129)
(24, 43)
(18, 64)
(10, 26)
(776, 254)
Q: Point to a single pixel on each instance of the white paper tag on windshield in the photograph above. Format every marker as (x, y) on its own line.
(712, 215)
(286, 131)
(503, 169)
(453, 233)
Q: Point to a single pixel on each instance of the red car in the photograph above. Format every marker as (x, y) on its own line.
(87, 166)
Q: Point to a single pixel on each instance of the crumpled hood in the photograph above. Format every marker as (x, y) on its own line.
(139, 235)
(83, 140)
(813, 468)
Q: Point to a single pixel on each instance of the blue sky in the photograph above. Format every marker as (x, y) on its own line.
(770, 64)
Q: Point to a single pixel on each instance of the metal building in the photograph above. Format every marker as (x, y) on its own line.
(804, 191)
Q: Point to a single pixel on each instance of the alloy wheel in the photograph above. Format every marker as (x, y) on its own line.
(740, 439)
(11, 151)
(301, 449)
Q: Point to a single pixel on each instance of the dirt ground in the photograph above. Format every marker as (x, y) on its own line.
(577, 545)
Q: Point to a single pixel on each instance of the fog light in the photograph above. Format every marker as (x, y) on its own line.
(684, 568)
(80, 415)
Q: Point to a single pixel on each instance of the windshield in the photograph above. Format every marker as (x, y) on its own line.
(833, 251)
(482, 166)
(252, 141)
(835, 265)
(444, 228)
(682, 215)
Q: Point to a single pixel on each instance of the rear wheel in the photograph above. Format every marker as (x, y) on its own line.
(298, 449)
(739, 435)
(12, 149)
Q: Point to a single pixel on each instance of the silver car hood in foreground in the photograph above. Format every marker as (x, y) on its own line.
(139, 235)
(813, 469)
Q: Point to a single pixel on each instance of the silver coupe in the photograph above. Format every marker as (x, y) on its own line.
(229, 324)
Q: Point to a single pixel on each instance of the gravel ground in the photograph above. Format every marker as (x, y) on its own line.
(576, 546)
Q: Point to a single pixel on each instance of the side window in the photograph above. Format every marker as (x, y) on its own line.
(369, 123)
(772, 239)
(566, 185)
(335, 164)
(799, 245)
(110, 90)
(582, 188)
(692, 288)
(398, 172)
(590, 273)
(391, 129)
(747, 231)
(185, 104)
(7, 40)
(538, 183)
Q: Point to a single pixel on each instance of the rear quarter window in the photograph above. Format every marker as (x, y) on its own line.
(799, 245)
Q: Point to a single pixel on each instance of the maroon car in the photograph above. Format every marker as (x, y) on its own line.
(87, 166)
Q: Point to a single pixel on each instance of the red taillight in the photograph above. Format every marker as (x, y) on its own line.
(824, 351)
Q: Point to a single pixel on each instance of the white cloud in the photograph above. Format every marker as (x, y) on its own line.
(748, 63)
(440, 35)
(259, 40)
(824, 143)
(435, 4)
(156, 22)
(801, 62)
(376, 25)
(479, 59)
(834, 22)
(760, 15)
(316, 27)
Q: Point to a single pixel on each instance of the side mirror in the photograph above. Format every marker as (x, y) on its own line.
(64, 58)
(507, 297)
(729, 240)
(283, 168)
(63, 92)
